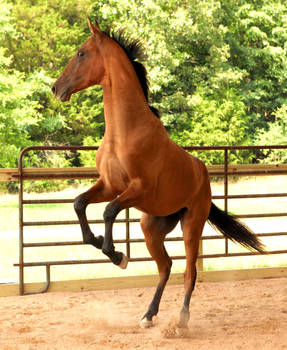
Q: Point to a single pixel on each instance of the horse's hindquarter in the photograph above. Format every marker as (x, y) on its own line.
(175, 180)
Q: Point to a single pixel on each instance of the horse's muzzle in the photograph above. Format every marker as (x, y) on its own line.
(63, 96)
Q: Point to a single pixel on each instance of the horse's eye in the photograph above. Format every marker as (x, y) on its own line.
(80, 54)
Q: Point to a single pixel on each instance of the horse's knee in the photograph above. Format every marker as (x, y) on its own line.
(165, 272)
(190, 279)
(111, 211)
(166, 266)
(80, 204)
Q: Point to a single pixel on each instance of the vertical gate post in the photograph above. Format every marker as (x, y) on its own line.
(21, 233)
(128, 248)
(226, 190)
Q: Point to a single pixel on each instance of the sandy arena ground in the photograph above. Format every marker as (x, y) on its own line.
(227, 315)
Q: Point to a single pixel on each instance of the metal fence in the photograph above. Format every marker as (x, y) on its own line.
(226, 171)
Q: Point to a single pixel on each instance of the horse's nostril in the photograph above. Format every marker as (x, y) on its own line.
(54, 89)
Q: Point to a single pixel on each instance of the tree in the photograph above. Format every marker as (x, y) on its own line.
(217, 69)
(18, 111)
(49, 32)
(257, 37)
(193, 82)
(275, 135)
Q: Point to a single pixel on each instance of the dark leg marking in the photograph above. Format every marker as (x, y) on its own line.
(80, 205)
(154, 305)
(185, 313)
(108, 248)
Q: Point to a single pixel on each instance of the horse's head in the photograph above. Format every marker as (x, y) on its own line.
(86, 68)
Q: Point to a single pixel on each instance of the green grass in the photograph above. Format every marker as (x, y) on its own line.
(9, 236)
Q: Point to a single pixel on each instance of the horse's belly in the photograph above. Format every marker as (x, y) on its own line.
(176, 191)
(164, 201)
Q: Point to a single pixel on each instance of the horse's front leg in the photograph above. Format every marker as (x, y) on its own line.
(96, 194)
(129, 198)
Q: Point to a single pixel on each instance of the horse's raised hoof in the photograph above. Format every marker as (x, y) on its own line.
(124, 263)
(145, 323)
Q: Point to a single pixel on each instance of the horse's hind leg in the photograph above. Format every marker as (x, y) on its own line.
(155, 230)
(192, 224)
(96, 194)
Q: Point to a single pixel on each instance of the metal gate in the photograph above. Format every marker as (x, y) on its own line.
(226, 171)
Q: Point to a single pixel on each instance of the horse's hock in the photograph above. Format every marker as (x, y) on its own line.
(224, 171)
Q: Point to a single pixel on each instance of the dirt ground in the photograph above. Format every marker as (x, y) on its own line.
(225, 315)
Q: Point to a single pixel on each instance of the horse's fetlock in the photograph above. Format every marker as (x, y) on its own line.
(152, 311)
(184, 317)
(88, 239)
(108, 250)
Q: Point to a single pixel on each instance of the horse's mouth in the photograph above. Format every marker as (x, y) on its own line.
(65, 96)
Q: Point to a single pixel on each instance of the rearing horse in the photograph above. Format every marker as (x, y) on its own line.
(140, 166)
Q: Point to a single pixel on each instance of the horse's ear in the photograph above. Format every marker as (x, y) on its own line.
(94, 28)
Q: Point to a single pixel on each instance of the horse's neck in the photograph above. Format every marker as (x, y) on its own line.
(125, 107)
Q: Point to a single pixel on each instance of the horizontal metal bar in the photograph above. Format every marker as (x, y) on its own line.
(76, 262)
(79, 175)
(267, 215)
(73, 222)
(232, 255)
(235, 196)
(118, 241)
(256, 172)
(142, 240)
(47, 201)
(271, 234)
(86, 262)
(235, 173)
(255, 195)
(59, 176)
(188, 148)
(142, 259)
(234, 148)
(52, 244)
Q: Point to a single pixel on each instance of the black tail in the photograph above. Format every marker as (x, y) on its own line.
(233, 229)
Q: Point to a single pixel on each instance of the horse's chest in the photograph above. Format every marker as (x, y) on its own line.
(113, 172)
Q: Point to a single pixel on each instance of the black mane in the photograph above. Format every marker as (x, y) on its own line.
(134, 50)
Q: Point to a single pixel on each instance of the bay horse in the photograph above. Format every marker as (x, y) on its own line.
(140, 166)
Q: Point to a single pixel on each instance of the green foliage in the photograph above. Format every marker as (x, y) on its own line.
(275, 135)
(217, 69)
(258, 45)
(88, 158)
(18, 110)
(48, 34)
